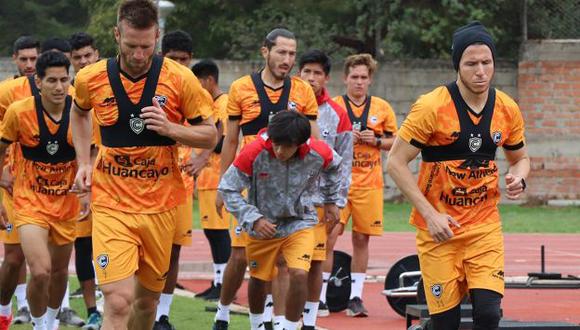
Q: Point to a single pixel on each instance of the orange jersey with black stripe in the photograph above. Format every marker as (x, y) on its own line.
(367, 168)
(44, 168)
(458, 174)
(135, 164)
(244, 103)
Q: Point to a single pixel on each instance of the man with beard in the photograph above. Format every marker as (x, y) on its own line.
(253, 99)
(457, 128)
(25, 53)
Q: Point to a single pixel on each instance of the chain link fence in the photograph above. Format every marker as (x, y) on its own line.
(551, 19)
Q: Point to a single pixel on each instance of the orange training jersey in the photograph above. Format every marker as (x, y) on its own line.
(209, 176)
(244, 102)
(367, 169)
(41, 184)
(133, 174)
(458, 175)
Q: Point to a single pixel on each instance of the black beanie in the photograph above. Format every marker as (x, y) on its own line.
(467, 35)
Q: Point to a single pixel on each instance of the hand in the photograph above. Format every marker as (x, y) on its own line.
(156, 119)
(7, 181)
(439, 229)
(368, 137)
(83, 178)
(514, 186)
(331, 216)
(264, 228)
(219, 204)
(195, 164)
(356, 136)
(3, 218)
(85, 200)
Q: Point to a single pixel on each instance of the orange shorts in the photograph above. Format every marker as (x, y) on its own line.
(10, 234)
(208, 215)
(184, 223)
(473, 259)
(127, 244)
(240, 238)
(84, 227)
(296, 249)
(366, 209)
(320, 237)
(59, 232)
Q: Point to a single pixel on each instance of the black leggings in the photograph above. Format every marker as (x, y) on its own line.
(486, 312)
(84, 258)
(220, 244)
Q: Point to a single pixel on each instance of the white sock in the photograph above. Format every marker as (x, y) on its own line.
(257, 321)
(65, 299)
(279, 322)
(20, 294)
(356, 286)
(218, 273)
(223, 313)
(325, 277)
(6, 310)
(268, 308)
(50, 317)
(164, 305)
(289, 325)
(310, 312)
(39, 323)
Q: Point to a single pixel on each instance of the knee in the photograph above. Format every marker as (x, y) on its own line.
(175, 252)
(146, 305)
(40, 272)
(118, 302)
(13, 262)
(298, 276)
(486, 316)
(360, 240)
(238, 258)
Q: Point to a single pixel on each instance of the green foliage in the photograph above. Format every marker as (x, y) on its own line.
(103, 17)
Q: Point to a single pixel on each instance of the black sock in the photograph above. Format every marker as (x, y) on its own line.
(92, 310)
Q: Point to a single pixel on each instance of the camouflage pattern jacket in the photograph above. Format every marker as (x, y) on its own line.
(281, 192)
(336, 130)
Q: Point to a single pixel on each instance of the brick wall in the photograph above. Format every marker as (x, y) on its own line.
(549, 96)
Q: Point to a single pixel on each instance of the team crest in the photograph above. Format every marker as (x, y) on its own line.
(291, 106)
(162, 99)
(103, 261)
(137, 124)
(238, 230)
(356, 126)
(52, 147)
(496, 137)
(374, 119)
(9, 228)
(325, 133)
(475, 142)
(436, 290)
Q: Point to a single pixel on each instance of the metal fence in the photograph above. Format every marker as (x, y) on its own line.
(551, 19)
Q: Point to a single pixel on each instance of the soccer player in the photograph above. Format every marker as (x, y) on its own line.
(140, 102)
(24, 55)
(336, 131)
(174, 43)
(373, 126)
(55, 43)
(205, 167)
(45, 211)
(253, 99)
(457, 128)
(83, 53)
(280, 171)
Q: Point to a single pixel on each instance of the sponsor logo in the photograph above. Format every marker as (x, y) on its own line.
(108, 102)
(455, 134)
(498, 274)
(126, 172)
(162, 99)
(475, 142)
(136, 124)
(436, 290)
(377, 223)
(305, 257)
(263, 175)
(496, 137)
(292, 106)
(462, 200)
(320, 246)
(123, 160)
(52, 147)
(253, 264)
(103, 260)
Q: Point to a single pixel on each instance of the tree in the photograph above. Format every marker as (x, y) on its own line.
(102, 21)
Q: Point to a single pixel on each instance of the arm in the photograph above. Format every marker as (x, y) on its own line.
(233, 182)
(82, 132)
(344, 148)
(330, 190)
(198, 161)
(230, 145)
(4, 184)
(518, 171)
(314, 130)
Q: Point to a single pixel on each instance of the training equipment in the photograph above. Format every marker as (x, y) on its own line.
(402, 283)
(338, 292)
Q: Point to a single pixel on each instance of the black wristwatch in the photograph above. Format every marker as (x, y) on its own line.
(524, 185)
(379, 142)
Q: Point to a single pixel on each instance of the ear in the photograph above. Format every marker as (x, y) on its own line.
(264, 51)
(97, 53)
(14, 57)
(117, 34)
(38, 82)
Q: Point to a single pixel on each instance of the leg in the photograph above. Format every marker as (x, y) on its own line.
(233, 275)
(280, 286)
(11, 272)
(118, 299)
(85, 271)
(314, 281)
(448, 320)
(144, 307)
(360, 259)
(256, 297)
(327, 267)
(34, 242)
(486, 309)
(60, 257)
(296, 294)
(166, 296)
(220, 245)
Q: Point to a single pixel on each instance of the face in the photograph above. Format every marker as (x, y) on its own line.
(136, 47)
(281, 57)
(54, 86)
(25, 60)
(181, 57)
(83, 57)
(476, 68)
(358, 81)
(284, 152)
(315, 75)
(207, 83)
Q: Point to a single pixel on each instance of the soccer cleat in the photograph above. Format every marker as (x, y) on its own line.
(5, 322)
(323, 309)
(356, 308)
(268, 326)
(220, 325)
(308, 327)
(214, 293)
(68, 316)
(163, 324)
(78, 293)
(205, 292)
(22, 316)
(93, 322)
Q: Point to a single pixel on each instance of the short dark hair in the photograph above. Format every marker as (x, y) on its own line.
(139, 14)
(51, 59)
(80, 40)
(315, 56)
(289, 127)
(55, 43)
(270, 40)
(25, 42)
(206, 68)
(176, 40)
